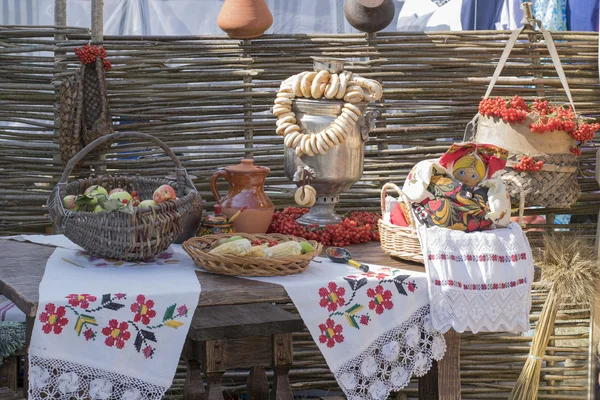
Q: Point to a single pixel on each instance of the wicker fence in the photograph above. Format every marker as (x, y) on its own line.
(208, 99)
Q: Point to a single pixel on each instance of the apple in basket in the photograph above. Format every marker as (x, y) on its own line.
(147, 203)
(69, 202)
(164, 193)
(95, 190)
(115, 190)
(121, 197)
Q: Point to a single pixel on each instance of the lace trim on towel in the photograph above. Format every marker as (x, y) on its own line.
(56, 379)
(480, 311)
(388, 364)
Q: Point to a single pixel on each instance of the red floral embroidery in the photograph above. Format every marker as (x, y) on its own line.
(89, 334)
(53, 319)
(381, 299)
(331, 297)
(148, 352)
(143, 310)
(116, 333)
(81, 300)
(480, 286)
(411, 287)
(331, 333)
(364, 319)
(376, 275)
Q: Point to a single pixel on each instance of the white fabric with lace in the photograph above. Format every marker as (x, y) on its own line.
(374, 329)
(478, 281)
(110, 330)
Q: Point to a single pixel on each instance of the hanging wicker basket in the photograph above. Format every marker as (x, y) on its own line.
(117, 235)
(555, 185)
(84, 111)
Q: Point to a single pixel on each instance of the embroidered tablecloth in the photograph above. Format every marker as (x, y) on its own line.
(478, 281)
(108, 329)
(373, 329)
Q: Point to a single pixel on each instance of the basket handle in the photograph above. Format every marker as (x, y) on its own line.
(114, 136)
(551, 49)
(401, 195)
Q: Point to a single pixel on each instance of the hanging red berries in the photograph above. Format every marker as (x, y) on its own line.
(547, 117)
(527, 164)
(88, 54)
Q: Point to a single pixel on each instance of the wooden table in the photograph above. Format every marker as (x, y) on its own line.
(22, 266)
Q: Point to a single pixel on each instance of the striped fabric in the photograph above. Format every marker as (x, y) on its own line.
(10, 312)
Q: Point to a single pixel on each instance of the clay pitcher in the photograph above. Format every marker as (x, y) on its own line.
(245, 19)
(246, 188)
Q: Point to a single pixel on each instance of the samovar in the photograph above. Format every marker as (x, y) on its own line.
(336, 171)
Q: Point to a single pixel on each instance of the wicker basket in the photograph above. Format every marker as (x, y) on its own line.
(145, 233)
(555, 185)
(399, 241)
(403, 241)
(198, 247)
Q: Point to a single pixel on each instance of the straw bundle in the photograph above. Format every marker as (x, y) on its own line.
(568, 263)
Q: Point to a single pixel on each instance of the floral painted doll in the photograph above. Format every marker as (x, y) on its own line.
(458, 191)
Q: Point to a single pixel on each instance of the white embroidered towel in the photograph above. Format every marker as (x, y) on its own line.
(108, 329)
(478, 281)
(373, 328)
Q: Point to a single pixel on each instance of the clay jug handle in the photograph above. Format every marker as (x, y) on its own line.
(213, 184)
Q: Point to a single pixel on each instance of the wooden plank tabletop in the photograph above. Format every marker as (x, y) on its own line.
(22, 266)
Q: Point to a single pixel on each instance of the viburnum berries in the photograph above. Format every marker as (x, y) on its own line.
(527, 164)
(88, 54)
(547, 117)
(359, 227)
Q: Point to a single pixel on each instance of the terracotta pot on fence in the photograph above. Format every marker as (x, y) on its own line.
(246, 188)
(245, 19)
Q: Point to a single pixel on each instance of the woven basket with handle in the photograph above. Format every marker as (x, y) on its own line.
(117, 235)
(555, 185)
(198, 248)
(403, 241)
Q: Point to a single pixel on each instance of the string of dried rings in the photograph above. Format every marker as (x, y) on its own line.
(350, 87)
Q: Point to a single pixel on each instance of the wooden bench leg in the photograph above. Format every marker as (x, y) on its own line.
(282, 361)
(215, 389)
(258, 384)
(193, 389)
(214, 368)
(8, 373)
(442, 382)
(28, 331)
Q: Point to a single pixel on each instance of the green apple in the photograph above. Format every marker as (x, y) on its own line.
(98, 208)
(122, 197)
(69, 203)
(115, 190)
(95, 190)
(147, 203)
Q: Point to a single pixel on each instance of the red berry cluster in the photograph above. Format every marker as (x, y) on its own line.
(88, 54)
(548, 118)
(527, 164)
(358, 227)
(513, 111)
(575, 150)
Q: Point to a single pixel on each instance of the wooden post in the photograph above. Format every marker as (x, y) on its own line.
(248, 132)
(442, 382)
(98, 36)
(594, 346)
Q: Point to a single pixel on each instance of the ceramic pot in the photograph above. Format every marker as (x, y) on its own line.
(369, 15)
(245, 19)
(246, 188)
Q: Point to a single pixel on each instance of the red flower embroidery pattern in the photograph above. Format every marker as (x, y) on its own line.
(381, 299)
(53, 319)
(331, 333)
(81, 300)
(480, 286)
(116, 333)
(331, 297)
(143, 310)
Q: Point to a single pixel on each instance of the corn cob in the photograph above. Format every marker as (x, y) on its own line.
(257, 251)
(283, 250)
(235, 248)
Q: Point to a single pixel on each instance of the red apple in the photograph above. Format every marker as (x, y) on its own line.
(164, 193)
(115, 190)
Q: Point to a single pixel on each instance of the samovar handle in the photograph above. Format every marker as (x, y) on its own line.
(369, 117)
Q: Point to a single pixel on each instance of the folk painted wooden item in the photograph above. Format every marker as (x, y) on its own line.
(246, 189)
(369, 15)
(245, 19)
